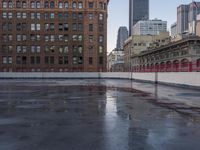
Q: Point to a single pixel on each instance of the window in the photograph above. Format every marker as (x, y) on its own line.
(60, 5)
(90, 16)
(80, 27)
(52, 15)
(4, 15)
(80, 5)
(100, 49)
(4, 4)
(100, 16)
(80, 16)
(46, 4)
(90, 27)
(90, 5)
(66, 5)
(90, 60)
(33, 5)
(100, 60)
(18, 4)
(74, 26)
(66, 26)
(7, 60)
(74, 5)
(10, 4)
(38, 5)
(35, 49)
(100, 38)
(80, 38)
(90, 38)
(24, 5)
(35, 27)
(60, 16)
(52, 4)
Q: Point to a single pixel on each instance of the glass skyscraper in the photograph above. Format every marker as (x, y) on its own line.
(138, 10)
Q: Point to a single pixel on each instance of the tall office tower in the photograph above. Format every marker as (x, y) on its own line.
(182, 18)
(138, 10)
(194, 10)
(121, 37)
(53, 35)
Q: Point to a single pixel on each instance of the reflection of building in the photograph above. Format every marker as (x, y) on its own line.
(53, 35)
(138, 43)
(183, 56)
(149, 27)
(138, 10)
(116, 61)
(121, 37)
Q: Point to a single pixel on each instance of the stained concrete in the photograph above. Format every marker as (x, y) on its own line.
(97, 115)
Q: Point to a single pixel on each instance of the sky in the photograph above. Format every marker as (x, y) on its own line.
(119, 9)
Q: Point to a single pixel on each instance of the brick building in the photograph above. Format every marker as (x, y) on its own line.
(53, 35)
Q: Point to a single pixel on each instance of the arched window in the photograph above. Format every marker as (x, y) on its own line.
(10, 4)
(38, 5)
(184, 63)
(80, 5)
(46, 4)
(4, 4)
(24, 4)
(66, 5)
(18, 4)
(60, 5)
(74, 5)
(52, 4)
(33, 5)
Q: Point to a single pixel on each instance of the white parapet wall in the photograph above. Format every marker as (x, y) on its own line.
(115, 75)
(180, 78)
(173, 78)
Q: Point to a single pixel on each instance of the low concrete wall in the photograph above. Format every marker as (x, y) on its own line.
(180, 78)
(116, 75)
(175, 78)
(69, 75)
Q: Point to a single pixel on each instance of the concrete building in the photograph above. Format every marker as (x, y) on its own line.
(56, 36)
(135, 44)
(138, 10)
(186, 17)
(182, 18)
(173, 30)
(149, 27)
(198, 28)
(116, 61)
(180, 56)
(121, 37)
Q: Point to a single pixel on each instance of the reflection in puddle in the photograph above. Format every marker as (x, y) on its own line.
(92, 116)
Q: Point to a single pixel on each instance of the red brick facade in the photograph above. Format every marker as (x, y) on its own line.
(53, 35)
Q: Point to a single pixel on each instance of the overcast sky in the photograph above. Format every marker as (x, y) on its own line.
(118, 15)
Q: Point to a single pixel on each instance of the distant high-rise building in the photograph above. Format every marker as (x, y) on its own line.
(194, 10)
(173, 30)
(149, 27)
(121, 37)
(138, 10)
(186, 14)
(182, 18)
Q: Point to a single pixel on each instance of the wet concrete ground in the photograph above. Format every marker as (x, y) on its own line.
(97, 115)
